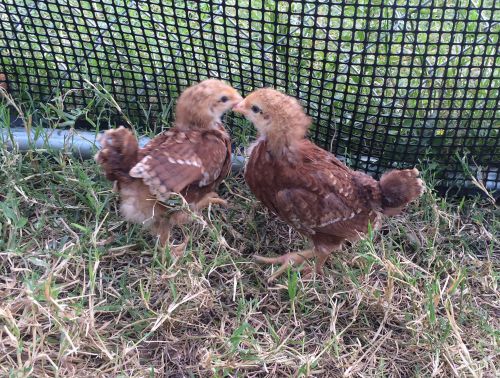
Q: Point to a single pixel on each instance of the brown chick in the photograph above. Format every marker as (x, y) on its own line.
(190, 159)
(308, 187)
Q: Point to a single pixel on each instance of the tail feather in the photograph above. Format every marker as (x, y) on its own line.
(118, 154)
(398, 188)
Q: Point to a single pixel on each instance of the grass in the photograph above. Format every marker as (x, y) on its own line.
(83, 293)
(391, 80)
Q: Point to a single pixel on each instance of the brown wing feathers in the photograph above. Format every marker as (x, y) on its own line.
(183, 159)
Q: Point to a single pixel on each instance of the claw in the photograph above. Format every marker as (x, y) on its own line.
(285, 261)
(307, 272)
(219, 201)
(210, 198)
(268, 260)
(179, 249)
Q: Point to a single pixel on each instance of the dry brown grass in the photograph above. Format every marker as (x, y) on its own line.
(420, 298)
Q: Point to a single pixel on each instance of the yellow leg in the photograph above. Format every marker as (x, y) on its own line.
(164, 228)
(179, 249)
(176, 250)
(294, 258)
(320, 262)
(210, 198)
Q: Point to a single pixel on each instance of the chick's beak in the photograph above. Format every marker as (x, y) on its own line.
(239, 108)
(239, 98)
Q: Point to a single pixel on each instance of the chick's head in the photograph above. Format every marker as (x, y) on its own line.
(203, 104)
(275, 115)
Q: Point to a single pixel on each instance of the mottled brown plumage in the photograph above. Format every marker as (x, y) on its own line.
(309, 188)
(190, 159)
(3, 81)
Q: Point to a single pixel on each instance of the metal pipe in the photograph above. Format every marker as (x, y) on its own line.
(82, 144)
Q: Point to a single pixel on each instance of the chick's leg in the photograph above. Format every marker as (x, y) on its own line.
(323, 251)
(320, 262)
(210, 198)
(164, 228)
(163, 231)
(293, 258)
(179, 218)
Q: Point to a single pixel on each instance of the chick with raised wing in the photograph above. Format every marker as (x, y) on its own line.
(308, 187)
(191, 159)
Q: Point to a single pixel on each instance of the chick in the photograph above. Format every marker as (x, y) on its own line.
(308, 187)
(191, 159)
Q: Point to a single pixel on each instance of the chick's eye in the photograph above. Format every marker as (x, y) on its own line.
(224, 99)
(256, 109)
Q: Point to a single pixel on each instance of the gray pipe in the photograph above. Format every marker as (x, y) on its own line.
(82, 144)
